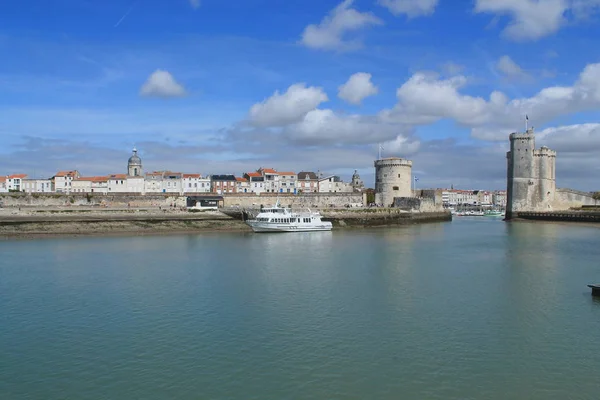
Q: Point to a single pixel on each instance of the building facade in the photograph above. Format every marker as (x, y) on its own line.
(14, 183)
(134, 164)
(308, 182)
(63, 181)
(37, 186)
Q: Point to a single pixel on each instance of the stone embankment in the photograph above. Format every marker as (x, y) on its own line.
(39, 223)
(561, 216)
(362, 217)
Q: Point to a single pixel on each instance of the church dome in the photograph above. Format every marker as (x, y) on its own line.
(134, 159)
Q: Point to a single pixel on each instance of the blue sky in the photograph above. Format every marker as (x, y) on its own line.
(227, 87)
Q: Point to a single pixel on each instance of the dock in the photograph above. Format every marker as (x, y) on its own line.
(595, 289)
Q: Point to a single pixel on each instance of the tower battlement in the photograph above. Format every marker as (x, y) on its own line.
(393, 162)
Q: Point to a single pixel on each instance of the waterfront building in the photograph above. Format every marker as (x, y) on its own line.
(256, 182)
(288, 182)
(242, 185)
(194, 183)
(3, 187)
(499, 198)
(63, 181)
(271, 178)
(307, 182)
(134, 164)
(14, 183)
(163, 182)
(37, 186)
(117, 183)
(91, 184)
(223, 184)
(393, 178)
(334, 184)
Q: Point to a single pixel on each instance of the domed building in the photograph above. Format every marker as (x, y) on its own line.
(134, 165)
(357, 183)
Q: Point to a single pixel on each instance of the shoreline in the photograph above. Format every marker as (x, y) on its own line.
(53, 223)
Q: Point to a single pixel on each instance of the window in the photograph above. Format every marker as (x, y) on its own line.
(398, 175)
(396, 188)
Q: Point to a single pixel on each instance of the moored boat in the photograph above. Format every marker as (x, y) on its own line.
(281, 219)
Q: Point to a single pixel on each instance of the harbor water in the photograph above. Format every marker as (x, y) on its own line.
(472, 309)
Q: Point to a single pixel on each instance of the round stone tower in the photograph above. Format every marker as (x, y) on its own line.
(134, 165)
(392, 179)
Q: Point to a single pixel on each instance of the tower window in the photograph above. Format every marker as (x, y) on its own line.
(398, 175)
(396, 188)
(135, 172)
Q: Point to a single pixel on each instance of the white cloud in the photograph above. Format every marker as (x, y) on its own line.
(424, 99)
(327, 127)
(357, 88)
(401, 145)
(412, 8)
(330, 33)
(510, 69)
(286, 108)
(195, 4)
(531, 19)
(580, 138)
(451, 68)
(162, 84)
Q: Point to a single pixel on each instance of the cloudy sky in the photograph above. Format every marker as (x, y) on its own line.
(216, 86)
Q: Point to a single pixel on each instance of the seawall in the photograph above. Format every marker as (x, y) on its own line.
(560, 216)
(81, 223)
(362, 217)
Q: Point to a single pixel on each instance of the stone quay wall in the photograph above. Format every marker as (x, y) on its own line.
(304, 200)
(124, 200)
(567, 198)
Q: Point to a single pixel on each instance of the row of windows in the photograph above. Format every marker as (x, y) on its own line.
(285, 220)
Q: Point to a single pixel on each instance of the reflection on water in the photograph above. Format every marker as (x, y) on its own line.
(473, 309)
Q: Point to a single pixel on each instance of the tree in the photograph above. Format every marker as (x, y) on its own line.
(596, 197)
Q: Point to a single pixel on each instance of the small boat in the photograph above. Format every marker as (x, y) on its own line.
(281, 219)
(494, 213)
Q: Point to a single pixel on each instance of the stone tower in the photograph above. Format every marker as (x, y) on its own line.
(392, 179)
(531, 175)
(134, 165)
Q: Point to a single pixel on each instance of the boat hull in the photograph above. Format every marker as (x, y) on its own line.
(264, 227)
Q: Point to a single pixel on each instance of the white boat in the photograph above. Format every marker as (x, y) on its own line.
(281, 219)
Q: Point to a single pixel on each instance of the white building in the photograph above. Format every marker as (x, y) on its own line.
(271, 178)
(14, 183)
(195, 183)
(164, 182)
(288, 182)
(256, 182)
(90, 184)
(37, 185)
(242, 185)
(333, 184)
(63, 181)
(3, 187)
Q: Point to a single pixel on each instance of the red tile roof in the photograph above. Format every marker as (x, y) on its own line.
(192, 176)
(268, 171)
(241, 179)
(17, 176)
(2, 179)
(66, 173)
(253, 174)
(117, 176)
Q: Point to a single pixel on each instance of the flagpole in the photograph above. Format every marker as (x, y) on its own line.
(526, 123)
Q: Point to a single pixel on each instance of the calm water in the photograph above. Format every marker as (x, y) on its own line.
(473, 309)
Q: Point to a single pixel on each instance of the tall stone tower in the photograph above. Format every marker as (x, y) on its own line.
(392, 179)
(134, 165)
(531, 175)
